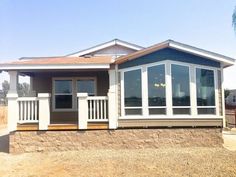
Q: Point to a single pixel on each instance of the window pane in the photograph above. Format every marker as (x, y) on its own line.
(205, 87)
(86, 86)
(206, 111)
(63, 101)
(180, 85)
(181, 111)
(156, 111)
(132, 88)
(133, 111)
(63, 86)
(156, 86)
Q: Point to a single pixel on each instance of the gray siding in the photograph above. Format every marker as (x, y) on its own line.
(42, 83)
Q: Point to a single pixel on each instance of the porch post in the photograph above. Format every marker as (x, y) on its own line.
(13, 111)
(13, 107)
(44, 110)
(82, 110)
(112, 103)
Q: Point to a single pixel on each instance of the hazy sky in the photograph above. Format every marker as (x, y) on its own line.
(59, 27)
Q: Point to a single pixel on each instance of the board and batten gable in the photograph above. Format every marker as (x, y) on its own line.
(169, 54)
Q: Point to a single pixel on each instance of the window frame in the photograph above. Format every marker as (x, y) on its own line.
(153, 107)
(189, 77)
(216, 107)
(169, 109)
(74, 92)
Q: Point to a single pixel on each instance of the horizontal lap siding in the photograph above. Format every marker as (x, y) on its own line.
(42, 83)
(220, 92)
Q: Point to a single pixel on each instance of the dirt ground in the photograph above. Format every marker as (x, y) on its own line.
(148, 162)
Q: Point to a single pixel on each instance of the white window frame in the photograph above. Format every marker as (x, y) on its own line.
(189, 77)
(168, 80)
(153, 107)
(216, 107)
(74, 92)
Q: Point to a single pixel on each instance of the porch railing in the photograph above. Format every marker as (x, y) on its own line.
(97, 108)
(28, 110)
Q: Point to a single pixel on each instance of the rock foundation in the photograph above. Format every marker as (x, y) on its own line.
(46, 141)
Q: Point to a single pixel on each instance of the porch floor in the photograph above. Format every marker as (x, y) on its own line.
(66, 126)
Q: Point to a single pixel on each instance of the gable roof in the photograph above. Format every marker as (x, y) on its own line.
(106, 45)
(226, 61)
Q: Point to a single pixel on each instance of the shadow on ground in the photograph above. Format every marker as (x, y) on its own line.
(4, 143)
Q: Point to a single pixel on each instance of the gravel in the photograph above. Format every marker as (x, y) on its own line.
(146, 162)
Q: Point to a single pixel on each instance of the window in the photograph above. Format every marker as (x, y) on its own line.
(87, 86)
(133, 92)
(63, 94)
(234, 98)
(205, 91)
(180, 89)
(156, 90)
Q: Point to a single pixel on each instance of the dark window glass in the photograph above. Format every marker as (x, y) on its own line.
(132, 88)
(181, 111)
(63, 101)
(63, 86)
(157, 111)
(133, 111)
(180, 85)
(206, 111)
(205, 87)
(86, 86)
(156, 86)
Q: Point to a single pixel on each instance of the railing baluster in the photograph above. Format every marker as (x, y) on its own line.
(102, 111)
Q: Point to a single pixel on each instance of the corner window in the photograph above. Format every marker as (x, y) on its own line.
(205, 91)
(180, 89)
(63, 94)
(156, 90)
(133, 92)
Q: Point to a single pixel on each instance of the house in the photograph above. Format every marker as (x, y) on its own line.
(231, 98)
(120, 85)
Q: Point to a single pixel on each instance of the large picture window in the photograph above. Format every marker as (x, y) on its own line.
(133, 92)
(205, 91)
(156, 90)
(180, 89)
(63, 94)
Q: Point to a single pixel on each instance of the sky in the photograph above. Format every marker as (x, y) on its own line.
(59, 27)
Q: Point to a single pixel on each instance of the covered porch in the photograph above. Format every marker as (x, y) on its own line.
(48, 107)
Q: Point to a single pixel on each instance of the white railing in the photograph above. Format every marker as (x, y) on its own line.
(28, 110)
(97, 108)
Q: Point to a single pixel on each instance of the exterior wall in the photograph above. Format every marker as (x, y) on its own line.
(44, 141)
(220, 93)
(169, 54)
(42, 83)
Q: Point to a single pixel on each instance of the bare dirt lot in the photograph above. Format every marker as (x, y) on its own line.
(149, 162)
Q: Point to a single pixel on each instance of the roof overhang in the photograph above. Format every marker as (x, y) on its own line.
(224, 60)
(9, 67)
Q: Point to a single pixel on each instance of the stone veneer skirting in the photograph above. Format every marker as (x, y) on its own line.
(45, 141)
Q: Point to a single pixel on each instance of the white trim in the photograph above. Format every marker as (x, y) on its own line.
(223, 97)
(106, 45)
(53, 67)
(169, 107)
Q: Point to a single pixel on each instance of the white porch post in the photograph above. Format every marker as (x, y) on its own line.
(13, 107)
(82, 110)
(44, 110)
(112, 102)
(13, 111)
